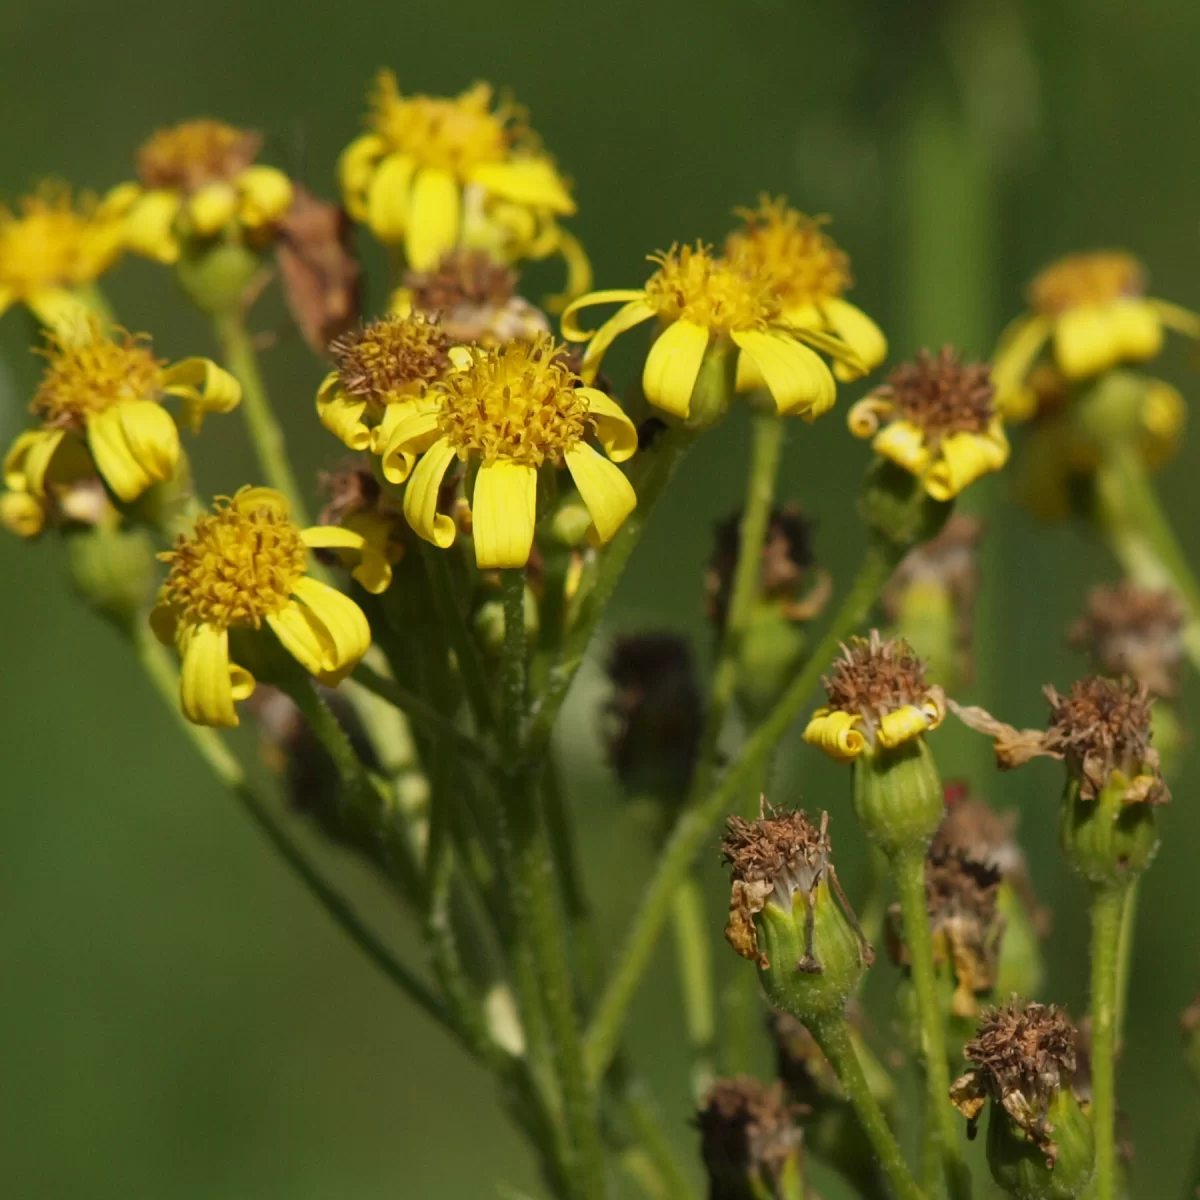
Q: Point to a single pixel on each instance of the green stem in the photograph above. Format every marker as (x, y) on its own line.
(1125, 954)
(646, 1123)
(767, 443)
(266, 433)
(694, 956)
(833, 1036)
(694, 824)
(589, 605)
(1107, 906)
(153, 660)
(939, 1145)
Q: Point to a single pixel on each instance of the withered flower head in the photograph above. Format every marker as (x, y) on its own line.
(787, 562)
(961, 894)
(978, 830)
(194, 153)
(877, 696)
(391, 358)
(474, 297)
(1021, 1058)
(656, 713)
(941, 395)
(1136, 631)
(777, 860)
(1102, 729)
(749, 1137)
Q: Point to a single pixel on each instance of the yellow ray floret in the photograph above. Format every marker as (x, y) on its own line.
(844, 736)
(510, 409)
(810, 274)
(700, 300)
(51, 248)
(244, 566)
(433, 173)
(197, 179)
(105, 392)
(1093, 311)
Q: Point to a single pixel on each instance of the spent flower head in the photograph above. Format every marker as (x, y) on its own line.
(935, 417)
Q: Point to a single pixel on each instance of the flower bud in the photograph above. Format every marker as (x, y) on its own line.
(879, 709)
(216, 274)
(788, 913)
(112, 569)
(1040, 1144)
(751, 1144)
(896, 506)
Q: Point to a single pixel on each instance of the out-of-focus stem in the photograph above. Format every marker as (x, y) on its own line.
(1107, 906)
(695, 979)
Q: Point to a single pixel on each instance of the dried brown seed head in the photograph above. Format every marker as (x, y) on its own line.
(1135, 631)
(747, 1129)
(392, 357)
(941, 395)
(787, 851)
(186, 156)
(1102, 726)
(876, 676)
(461, 277)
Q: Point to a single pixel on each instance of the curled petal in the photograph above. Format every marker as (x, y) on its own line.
(266, 195)
(370, 565)
(1019, 345)
(254, 499)
(530, 180)
(203, 387)
(341, 625)
(28, 460)
(406, 433)
(114, 458)
(388, 199)
(606, 493)
(342, 414)
(896, 728)
(579, 270)
(834, 732)
(858, 331)
(433, 218)
(503, 512)
(421, 496)
(614, 430)
(904, 444)
(209, 683)
(963, 458)
(865, 416)
(570, 327)
(356, 169)
(22, 514)
(796, 376)
(673, 365)
(150, 225)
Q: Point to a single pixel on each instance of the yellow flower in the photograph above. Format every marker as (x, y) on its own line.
(1094, 308)
(379, 369)
(245, 565)
(810, 274)
(434, 173)
(938, 422)
(197, 178)
(105, 391)
(53, 247)
(511, 408)
(702, 301)
(878, 697)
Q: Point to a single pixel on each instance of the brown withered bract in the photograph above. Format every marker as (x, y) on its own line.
(787, 567)
(941, 395)
(1136, 631)
(747, 1128)
(321, 274)
(1021, 1056)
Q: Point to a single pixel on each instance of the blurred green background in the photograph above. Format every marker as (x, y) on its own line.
(177, 1019)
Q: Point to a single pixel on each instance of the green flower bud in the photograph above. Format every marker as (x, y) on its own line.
(489, 623)
(112, 569)
(751, 1144)
(787, 913)
(570, 524)
(1040, 1143)
(715, 386)
(895, 504)
(879, 709)
(216, 274)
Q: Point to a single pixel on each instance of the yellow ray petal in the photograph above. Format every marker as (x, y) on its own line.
(1019, 345)
(796, 376)
(356, 170)
(904, 444)
(672, 366)
(150, 225)
(203, 387)
(59, 309)
(571, 329)
(834, 732)
(28, 459)
(266, 195)
(606, 493)
(1137, 329)
(864, 417)
(400, 442)
(209, 209)
(252, 499)
(963, 458)
(421, 496)
(302, 636)
(529, 180)
(503, 512)
(1086, 341)
(207, 681)
(1173, 316)
(346, 632)
(22, 514)
(370, 565)
(342, 414)
(857, 330)
(113, 456)
(614, 430)
(389, 197)
(152, 437)
(433, 218)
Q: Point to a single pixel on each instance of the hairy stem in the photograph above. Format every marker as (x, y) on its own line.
(1107, 907)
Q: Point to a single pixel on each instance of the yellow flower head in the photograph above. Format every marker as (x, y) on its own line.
(433, 173)
(510, 409)
(244, 566)
(379, 369)
(197, 179)
(701, 300)
(105, 391)
(810, 274)
(1094, 309)
(52, 246)
(938, 421)
(878, 698)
